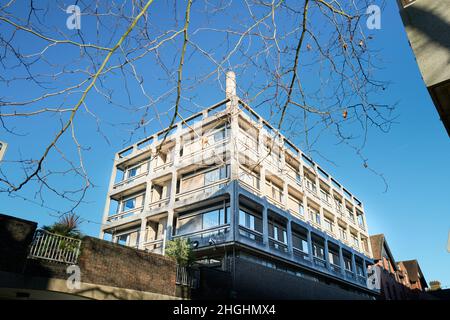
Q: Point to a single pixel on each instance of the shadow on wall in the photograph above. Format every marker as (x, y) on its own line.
(434, 27)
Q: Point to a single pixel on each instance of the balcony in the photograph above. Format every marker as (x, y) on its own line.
(301, 256)
(208, 237)
(159, 205)
(125, 214)
(335, 269)
(278, 245)
(155, 246)
(129, 184)
(249, 181)
(200, 193)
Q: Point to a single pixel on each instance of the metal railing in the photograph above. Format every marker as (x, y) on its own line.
(186, 277)
(54, 247)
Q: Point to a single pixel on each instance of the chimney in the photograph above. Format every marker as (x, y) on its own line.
(230, 85)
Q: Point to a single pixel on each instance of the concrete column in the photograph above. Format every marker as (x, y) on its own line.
(289, 236)
(353, 264)
(234, 210)
(327, 258)
(310, 245)
(173, 185)
(341, 260)
(265, 222)
(106, 209)
(142, 233)
(364, 268)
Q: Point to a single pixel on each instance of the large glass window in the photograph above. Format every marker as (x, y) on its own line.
(318, 251)
(250, 221)
(132, 172)
(203, 221)
(348, 264)
(300, 243)
(277, 232)
(129, 204)
(361, 220)
(333, 258)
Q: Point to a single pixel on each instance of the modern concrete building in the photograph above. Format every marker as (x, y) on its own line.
(247, 198)
(3, 147)
(427, 24)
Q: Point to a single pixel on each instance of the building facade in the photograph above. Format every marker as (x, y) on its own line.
(402, 280)
(427, 25)
(240, 191)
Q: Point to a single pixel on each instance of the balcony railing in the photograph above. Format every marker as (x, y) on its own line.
(163, 166)
(300, 254)
(159, 204)
(320, 262)
(202, 150)
(278, 245)
(186, 277)
(251, 234)
(129, 180)
(210, 188)
(54, 247)
(125, 214)
(252, 185)
(335, 269)
(207, 237)
(155, 246)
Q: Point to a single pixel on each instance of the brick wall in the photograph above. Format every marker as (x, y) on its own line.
(15, 236)
(106, 263)
(101, 262)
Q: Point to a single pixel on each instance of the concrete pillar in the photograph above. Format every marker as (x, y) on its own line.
(230, 83)
(327, 258)
(310, 245)
(289, 236)
(234, 210)
(341, 260)
(173, 186)
(353, 264)
(143, 233)
(106, 209)
(265, 222)
(364, 268)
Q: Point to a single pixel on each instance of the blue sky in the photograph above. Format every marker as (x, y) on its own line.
(414, 213)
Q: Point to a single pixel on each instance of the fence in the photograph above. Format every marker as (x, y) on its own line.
(53, 247)
(186, 277)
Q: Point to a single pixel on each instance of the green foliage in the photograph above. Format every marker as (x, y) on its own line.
(67, 226)
(181, 250)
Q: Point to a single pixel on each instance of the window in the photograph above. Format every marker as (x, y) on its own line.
(298, 178)
(360, 220)
(347, 264)
(328, 225)
(310, 185)
(325, 196)
(129, 204)
(314, 216)
(250, 221)
(333, 257)
(300, 243)
(318, 251)
(301, 210)
(277, 232)
(132, 172)
(202, 221)
(359, 270)
(220, 134)
(350, 214)
(342, 233)
(355, 240)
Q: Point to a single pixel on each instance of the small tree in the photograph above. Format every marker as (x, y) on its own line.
(181, 250)
(67, 225)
